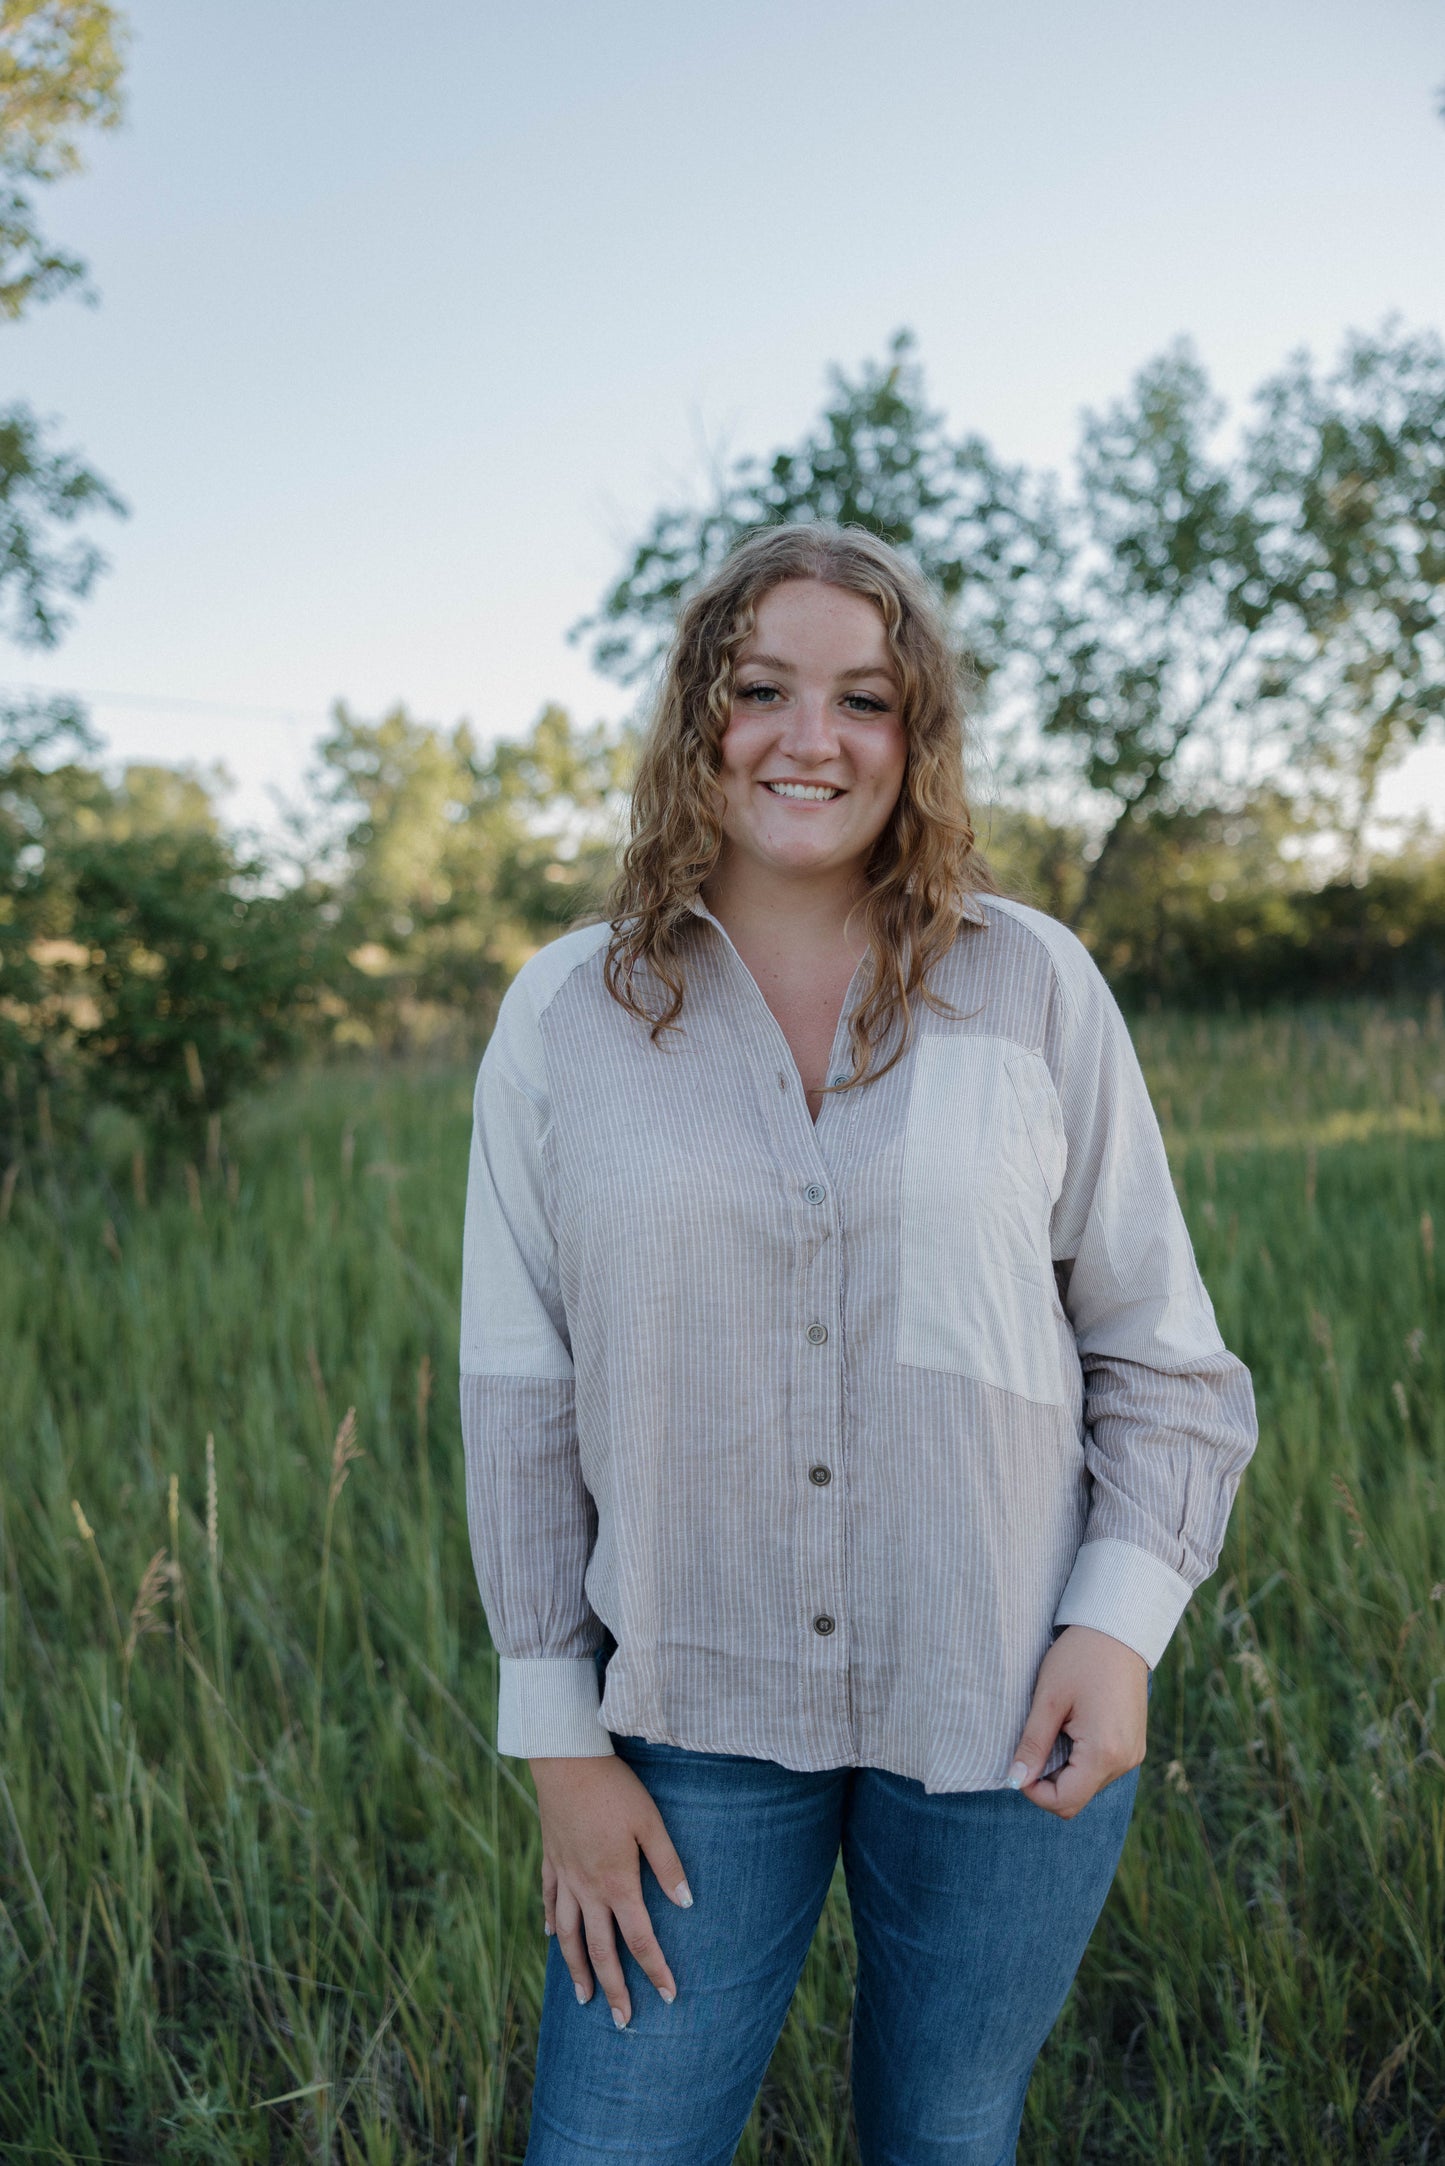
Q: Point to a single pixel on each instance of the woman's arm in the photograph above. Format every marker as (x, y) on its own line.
(1169, 1419)
(530, 1519)
(532, 1525)
(1168, 1411)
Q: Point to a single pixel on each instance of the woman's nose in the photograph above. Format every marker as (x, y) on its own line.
(811, 727)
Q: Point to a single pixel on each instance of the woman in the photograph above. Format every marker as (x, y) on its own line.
(846, 1424)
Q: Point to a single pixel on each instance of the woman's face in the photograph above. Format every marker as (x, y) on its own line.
(814, 751)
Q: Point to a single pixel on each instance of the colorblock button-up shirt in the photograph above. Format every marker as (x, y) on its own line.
(831, 1425)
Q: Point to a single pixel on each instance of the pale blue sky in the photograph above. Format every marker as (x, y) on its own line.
(410, 317)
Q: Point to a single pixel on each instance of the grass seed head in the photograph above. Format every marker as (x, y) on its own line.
(144, 1612)
(343, 1451)
(1351, 1510)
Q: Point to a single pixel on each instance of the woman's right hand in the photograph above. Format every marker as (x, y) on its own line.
(597, 1816)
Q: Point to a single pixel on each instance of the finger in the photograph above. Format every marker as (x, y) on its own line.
(549, 1896)
(636, 1928)
(602, 1953)
(657, 1849)
(1069, 1791)
(1047, 1717)
(572, 1942)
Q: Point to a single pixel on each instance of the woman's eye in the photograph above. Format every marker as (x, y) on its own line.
(869, 706)
(761, 693)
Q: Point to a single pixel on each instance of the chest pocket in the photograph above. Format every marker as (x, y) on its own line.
(983, 1163)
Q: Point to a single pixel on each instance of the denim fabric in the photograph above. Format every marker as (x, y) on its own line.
(971, 1913)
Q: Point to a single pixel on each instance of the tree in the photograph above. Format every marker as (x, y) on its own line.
(879, 456)
(1354, 466)
(198, 982)
(60, 72)
(1180, 626)
(42, 488)
(46, 792)
(1163, 595)
(145, 962)
(454, 862)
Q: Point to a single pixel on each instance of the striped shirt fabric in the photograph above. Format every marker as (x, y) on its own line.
(830, 1425)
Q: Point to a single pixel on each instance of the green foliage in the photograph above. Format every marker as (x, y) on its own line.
(147, 964)
(199, 983)
(60, 70)
(1286, 599)
(1190, 617)
(60, 73)
(44, 797)
(212, 1950)
(1357, 460)
(42, 488)
(1209, 908)
(143, 963)
(1165, 591)
(878, 457)
(1214, 909)
(454, 862)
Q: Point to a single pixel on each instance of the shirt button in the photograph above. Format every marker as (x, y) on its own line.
(817, 1333)
(823, 1625)
(821, 1475)
(815, 1192)
(835, 1080)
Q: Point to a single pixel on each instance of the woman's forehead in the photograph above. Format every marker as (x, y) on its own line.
(807, 622)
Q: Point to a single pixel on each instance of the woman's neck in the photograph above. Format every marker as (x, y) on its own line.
(761, 908)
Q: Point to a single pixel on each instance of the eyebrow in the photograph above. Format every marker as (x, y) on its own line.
(775, 661)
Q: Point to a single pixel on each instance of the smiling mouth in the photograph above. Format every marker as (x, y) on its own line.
(804, 793)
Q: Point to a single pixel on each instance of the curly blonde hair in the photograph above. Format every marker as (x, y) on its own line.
(924, 866)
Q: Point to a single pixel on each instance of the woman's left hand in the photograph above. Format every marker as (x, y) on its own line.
(1097, 1689)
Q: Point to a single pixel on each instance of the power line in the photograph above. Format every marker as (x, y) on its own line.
(168, 700)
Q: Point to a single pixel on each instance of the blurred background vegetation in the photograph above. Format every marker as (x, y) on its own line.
(1188, 678)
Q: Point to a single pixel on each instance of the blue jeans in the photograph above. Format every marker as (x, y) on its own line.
(971, 1913)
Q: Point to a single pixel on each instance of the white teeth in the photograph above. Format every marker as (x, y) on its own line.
(811, 793)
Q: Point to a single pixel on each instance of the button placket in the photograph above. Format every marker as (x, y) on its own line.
(823, 1550)
(820, 1405)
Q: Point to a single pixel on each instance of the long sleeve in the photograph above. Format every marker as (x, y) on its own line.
(530, 1519)
(1168, 1412)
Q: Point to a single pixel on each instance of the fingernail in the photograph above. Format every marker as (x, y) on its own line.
(545, 1927)
(619, 2019)
(579, 1992)
(667, 1995)
(684, 1895)
(1018, 1775)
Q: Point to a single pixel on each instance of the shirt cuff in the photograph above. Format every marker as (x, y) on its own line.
(1127, 1592)
(548, 1707)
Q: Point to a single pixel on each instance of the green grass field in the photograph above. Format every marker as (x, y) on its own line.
(269, 1894)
